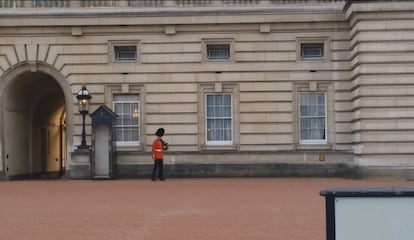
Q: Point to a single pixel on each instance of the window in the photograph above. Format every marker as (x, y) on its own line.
(123, 51)
(312, 118)
(219, 127)
(218, 52)
(314, 115)
(127, 125)
(128, 53)
(219, 123)
(311, 50)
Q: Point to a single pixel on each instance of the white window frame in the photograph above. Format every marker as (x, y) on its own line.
(228, 142)
(208, 42)
(325, 51)
(313, 141)
(210, 45)
(113, 54)
(118, 50)
(316, 45)
(129, 143)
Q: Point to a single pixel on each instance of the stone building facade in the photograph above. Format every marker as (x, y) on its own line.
(242, 87)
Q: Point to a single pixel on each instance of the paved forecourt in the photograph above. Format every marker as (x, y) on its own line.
(177, 209)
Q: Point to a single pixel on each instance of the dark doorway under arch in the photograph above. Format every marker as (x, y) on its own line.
(34, 127)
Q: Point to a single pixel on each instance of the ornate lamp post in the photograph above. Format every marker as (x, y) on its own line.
(83, 103)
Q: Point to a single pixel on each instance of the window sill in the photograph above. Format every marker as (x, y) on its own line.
(125, 61)
(218, 148)
(313, 146)
(321, 59)
(129, 148)
(219, 60)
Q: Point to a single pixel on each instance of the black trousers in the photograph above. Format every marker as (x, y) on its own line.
(158, 165)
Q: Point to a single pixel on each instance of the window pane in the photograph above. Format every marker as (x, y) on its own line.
(127, 135)
(227, 130)
(304, 110)
(227, 100)
(312, 50)
(125, 52)
(117, 107)
(118, 133)
(127, 122)
(321, 110)
(305, 123)
(227, 135)
(210, 124)
(135, 121)
(317, 134)
(218, 136)
(227, 112)
(210, 112)
(218, 100)
(218, 51)
(126, 108)
(210, 130)
(321, 123)
(313, 110)
(313, 99)
(304, 98)
(135, 134)
(219, 124)
(321, 99)
(304, 134)
(313, 123)
(219, 117)
(210, 100)
(217, 112)
(312, 116)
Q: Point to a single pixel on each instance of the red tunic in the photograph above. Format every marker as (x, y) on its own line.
(158, 148)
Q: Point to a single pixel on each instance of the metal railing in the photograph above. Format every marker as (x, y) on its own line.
(147, 3)
(218, 54)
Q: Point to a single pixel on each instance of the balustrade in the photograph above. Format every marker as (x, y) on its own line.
(193, 2)
(146, 3)
(11, 3)
(240, 2)
(304, 1)
(50, 3)
(99, 3)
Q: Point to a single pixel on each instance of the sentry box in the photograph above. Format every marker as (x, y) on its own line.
(369, 213)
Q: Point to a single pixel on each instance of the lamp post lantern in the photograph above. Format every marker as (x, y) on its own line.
(83, 103)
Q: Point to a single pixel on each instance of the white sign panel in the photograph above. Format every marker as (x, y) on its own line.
(374, 218)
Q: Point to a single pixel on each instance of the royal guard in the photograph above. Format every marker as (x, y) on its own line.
(157, 151)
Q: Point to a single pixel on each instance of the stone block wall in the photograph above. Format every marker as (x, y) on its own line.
(382, 70)
(367, 73)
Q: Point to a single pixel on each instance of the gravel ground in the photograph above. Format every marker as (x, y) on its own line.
(177, 209)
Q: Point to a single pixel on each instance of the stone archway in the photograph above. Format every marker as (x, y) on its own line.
(34, 137)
